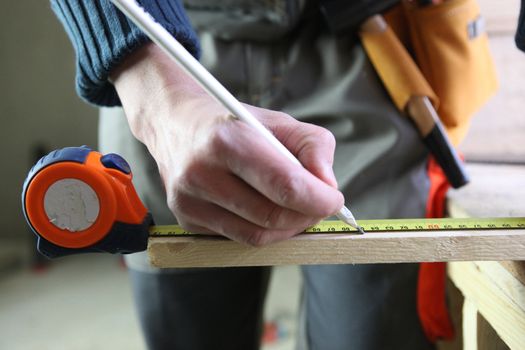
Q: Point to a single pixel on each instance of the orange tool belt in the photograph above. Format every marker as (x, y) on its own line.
(450, 47)
(431, 289)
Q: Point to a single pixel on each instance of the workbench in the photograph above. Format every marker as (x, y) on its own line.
(487, 292)
(488, 306)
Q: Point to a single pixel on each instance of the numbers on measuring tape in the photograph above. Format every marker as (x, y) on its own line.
(386, 225)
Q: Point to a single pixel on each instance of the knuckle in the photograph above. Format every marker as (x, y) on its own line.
(220, 142)
(274, 217)
(284, 115)
(287, 188)
(327, 136)
(323, 135)
(177, 203)
(257, 238)
(192, 176)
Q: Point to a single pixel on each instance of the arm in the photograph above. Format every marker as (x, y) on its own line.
(220, 175)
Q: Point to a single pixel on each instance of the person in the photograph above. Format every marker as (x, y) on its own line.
(196, 165)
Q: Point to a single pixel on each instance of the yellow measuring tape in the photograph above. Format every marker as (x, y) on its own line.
(386, 225)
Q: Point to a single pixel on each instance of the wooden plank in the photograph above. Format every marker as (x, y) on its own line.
(516, 268)
(506, 282)
(504, 314)
(470, 325)
(495, 190)
(373, 247)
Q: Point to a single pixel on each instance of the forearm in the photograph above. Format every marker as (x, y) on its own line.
(143, 81)
(220, 175)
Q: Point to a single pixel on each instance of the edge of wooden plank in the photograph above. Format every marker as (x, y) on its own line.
(505, 316)
(307, 249)
(512, 287)
(516, 268)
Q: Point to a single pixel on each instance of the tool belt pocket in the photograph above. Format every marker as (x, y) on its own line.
(451, 48)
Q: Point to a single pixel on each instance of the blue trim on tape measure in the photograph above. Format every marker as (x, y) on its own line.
(114, 161)
(121, 239)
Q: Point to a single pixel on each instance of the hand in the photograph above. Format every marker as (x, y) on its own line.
(220, 175)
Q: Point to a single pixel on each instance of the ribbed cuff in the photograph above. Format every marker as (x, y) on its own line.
(102, 37)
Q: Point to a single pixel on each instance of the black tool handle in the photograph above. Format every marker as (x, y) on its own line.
(435, 137)
(439, 146)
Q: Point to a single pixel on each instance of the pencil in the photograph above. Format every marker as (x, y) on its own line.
(177, 52)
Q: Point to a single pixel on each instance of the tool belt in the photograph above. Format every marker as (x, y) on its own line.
(450, 46)
(447, 41)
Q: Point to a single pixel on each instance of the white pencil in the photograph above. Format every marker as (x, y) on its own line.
(177, 52)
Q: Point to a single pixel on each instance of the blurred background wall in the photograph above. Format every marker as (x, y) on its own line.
(38, 104)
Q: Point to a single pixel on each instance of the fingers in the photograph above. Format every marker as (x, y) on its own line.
(222, 176)
(203, 216)
(291, 186)
(233, 194)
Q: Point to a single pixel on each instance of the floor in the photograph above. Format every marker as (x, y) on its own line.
(85, 303)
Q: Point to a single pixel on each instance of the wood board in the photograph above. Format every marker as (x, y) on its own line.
(373, 247)
(495, 299)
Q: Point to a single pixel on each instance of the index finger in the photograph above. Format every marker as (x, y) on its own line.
(258, 163)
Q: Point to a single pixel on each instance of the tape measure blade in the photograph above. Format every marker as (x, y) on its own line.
(387, 225)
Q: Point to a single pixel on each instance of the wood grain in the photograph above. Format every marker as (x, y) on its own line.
(492, 299)
(374, 247)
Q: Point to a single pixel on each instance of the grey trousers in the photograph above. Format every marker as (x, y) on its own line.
(380, 167)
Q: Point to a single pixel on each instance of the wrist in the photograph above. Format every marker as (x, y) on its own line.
(144, 81)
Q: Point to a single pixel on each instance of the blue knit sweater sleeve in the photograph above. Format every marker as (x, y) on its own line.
(102, 37)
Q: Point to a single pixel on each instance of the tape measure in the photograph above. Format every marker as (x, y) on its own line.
(77, 200)
(385, 225)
